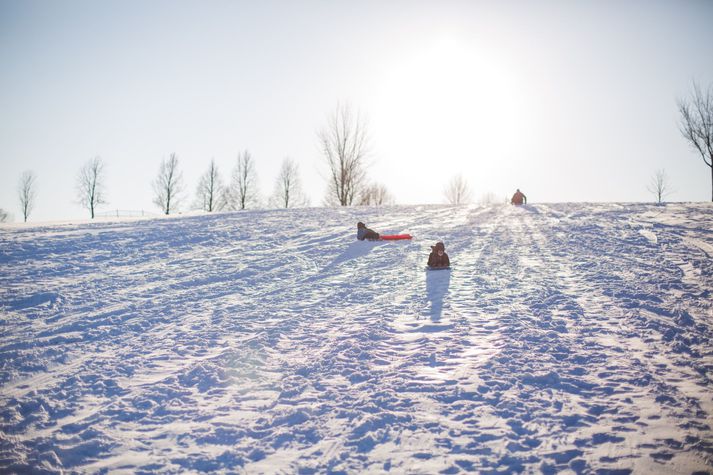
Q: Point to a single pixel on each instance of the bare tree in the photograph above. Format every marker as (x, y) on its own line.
(4, 216)
(457, 191)
(659, 185)
(27, 193)
(243, 186)
(168, 185)
(344, 144)
(375, 194)
(697, 123)
(210, 193)
(489, 198)
(90, 185)
(288, 189)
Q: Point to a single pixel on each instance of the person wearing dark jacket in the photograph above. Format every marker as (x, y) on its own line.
(518, 198)
(365, 233)
(438, 257)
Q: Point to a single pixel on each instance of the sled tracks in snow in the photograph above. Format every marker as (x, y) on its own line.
(572, 337)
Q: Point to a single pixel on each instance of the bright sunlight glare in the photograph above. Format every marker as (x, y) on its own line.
(451, 103)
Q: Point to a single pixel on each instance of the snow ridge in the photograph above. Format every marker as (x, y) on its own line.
(566, 337)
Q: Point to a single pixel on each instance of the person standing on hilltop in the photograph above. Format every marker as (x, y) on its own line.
(518, 198)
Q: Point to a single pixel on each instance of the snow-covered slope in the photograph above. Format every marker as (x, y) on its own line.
(566, 336)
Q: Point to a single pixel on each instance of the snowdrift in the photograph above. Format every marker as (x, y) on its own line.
(565, 337)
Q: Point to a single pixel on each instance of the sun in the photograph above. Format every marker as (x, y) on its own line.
(448, 99)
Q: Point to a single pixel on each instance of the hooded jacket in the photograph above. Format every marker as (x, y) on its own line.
(434, 260)
(365, 233)
(518, 198)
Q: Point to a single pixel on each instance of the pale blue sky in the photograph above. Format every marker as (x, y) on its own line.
(569, 101)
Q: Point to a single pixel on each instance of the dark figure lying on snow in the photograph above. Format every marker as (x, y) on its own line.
(438, 257)
(365, 233)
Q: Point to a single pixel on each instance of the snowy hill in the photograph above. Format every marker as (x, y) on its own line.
(566, 337)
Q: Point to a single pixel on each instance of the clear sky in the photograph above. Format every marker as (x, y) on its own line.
(569, 101)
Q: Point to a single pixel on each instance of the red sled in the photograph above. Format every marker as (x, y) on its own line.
(395, 237)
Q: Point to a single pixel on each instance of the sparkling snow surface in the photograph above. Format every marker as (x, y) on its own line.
(567, 337)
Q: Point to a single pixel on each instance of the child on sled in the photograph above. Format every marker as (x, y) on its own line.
(365, 233)
(438, 259)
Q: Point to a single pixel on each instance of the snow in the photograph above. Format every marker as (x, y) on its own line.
(566, 337)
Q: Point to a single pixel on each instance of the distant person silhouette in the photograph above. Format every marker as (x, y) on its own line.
(518, 198)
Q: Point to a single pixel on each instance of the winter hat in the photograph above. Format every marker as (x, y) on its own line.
(361, 225)
(440, 247)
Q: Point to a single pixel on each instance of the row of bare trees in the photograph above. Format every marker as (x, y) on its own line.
(169, 189)
(344, 142)
(242, 192)
(212, 194)
(89, 187)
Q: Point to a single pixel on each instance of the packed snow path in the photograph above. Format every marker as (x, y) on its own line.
(566, 337)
